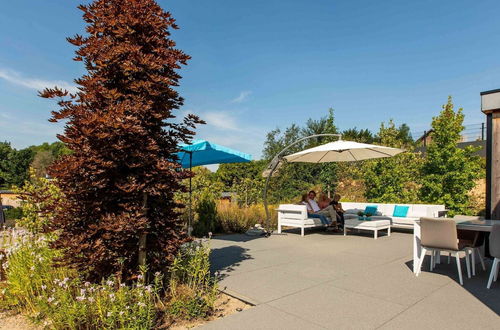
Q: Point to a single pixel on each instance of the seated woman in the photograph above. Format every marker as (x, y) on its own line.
(314, 211)
(310, 210)
(338, 208)
(323, 201)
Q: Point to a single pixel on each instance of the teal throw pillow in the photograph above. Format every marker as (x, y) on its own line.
(372, 209)
(400, 211)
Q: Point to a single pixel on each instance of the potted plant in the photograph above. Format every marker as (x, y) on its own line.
(361, 215)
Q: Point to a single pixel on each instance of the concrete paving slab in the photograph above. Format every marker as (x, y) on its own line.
(259, 318)
(346, 282)
(266, 284)
(325, 268)
(450, 307)
(335, 308)
(393, 282)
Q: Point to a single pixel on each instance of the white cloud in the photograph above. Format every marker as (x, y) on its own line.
(35, 83)
(242, 97)
(221, 120)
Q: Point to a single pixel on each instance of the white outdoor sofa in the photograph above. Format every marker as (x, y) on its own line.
(386, 211)
(293, 215)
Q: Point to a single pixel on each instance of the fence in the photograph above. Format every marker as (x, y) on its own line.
(471, 132)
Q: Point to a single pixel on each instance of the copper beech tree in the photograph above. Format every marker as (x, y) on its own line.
(119, 181)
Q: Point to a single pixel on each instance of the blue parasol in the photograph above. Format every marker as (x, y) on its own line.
(202, 152)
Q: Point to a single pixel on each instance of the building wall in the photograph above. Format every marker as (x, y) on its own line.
(10, 199)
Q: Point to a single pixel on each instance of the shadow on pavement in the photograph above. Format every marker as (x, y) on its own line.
(476, 285)
(224, 260)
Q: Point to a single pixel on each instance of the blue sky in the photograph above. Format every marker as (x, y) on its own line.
(257, 65)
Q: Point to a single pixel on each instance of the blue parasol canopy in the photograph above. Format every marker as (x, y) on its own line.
(202, 152)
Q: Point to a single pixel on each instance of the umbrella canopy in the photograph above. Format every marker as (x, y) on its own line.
(202, 152)
(342, 151)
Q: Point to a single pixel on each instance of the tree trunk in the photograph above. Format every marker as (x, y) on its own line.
(142, 238)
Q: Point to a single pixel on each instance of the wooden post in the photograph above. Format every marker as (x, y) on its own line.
(490, 105)
(495, 166)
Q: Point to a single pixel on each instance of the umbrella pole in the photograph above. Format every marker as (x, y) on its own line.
(190, 194)
(274, 164)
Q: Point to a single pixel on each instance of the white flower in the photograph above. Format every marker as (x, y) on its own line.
(121, 313)
(91, 299)
(87, 284)
(110, 314)
(80, 298)
(141, 304)
(110, 283)
(32, 268)
(82, 292)
(44, 287)
(50, 299)
(148, 288)
(140, 277)
(157, 274)
(112, 296)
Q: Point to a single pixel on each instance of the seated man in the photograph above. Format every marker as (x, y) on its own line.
(314, 209)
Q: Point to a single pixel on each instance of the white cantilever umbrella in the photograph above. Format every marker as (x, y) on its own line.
(342, 151)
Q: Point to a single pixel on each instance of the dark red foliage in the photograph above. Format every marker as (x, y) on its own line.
(122, 130)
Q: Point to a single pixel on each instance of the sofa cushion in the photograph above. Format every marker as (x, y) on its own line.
(353, 223)
(353, 211)
(404, 221)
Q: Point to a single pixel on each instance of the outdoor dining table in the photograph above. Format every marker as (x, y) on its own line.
(472, 225)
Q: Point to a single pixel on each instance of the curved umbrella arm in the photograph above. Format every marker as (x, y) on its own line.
(274, 164)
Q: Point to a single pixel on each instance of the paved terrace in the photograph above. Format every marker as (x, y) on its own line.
(325, 280)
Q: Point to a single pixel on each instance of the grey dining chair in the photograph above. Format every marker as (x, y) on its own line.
(473, 240)
(438, 235)
(495, 252)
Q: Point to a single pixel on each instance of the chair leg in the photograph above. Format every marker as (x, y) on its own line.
(301, 231)
(473, 263)
(459, 268)
(375, 234)
(467, 264)
(389, 231)
(496, 270)
(420, 261)
(449, 258)
(431, 265)
(492, 273)
(480, 258)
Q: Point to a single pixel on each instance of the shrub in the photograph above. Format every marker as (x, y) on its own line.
(192, 288)
(13, 214)
(57, 296)
(207, 217)
(41, 198)
(235, 219)
(59, 299)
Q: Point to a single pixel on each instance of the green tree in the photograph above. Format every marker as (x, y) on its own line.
(362, 135)
(449, 172)
(296, 178)
(14, 165)
(393, 180)
(41, 162)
